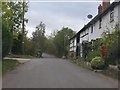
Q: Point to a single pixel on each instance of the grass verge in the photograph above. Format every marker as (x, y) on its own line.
(20, 56)
(108, 72)
(8, 65)
(82, 63)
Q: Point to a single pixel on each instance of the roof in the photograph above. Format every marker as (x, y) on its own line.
(97, 17)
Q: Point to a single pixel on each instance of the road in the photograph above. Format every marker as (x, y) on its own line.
(52, 72)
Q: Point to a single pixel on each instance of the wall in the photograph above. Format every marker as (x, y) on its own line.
(119, 14)
(73, 45)
(97, 32)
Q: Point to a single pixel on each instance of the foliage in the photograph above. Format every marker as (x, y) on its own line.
(50, 47)
(93, 54)
(17, 42)
(6, 40)
(81, 62)
(12, 12)
(97, 63)
(94, 49)
(39, 37)
(16, 47)
(61, 41)
(13, 17)
(29, 46)
(111, 40)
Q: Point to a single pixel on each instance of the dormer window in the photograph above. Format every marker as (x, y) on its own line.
(112, 15)
(100, 23)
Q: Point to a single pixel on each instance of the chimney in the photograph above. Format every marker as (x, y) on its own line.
(105, 4)
(99, 9)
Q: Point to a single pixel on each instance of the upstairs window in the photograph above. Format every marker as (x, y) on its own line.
(112, 15)
(100, 23)
(92, 29)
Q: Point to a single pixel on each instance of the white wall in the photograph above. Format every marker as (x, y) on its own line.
(97, 32)
(105, 25)
(74, 48)
(73, 45)
(119, 14)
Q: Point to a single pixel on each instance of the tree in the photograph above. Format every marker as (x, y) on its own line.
(6, 39)
(17, 39)
(24, 9)
(61, 40)
(12, 14)
(28, 46)
(50, 47)
(39, 37)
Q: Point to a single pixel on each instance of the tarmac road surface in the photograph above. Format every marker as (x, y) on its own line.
(52, 72)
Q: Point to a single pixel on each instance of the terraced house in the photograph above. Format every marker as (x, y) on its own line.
(106, 19)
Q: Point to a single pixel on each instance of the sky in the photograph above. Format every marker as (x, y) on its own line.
(56, 15)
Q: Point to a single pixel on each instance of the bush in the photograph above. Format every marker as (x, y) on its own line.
(97, 63)
(6, 40)
(113, 54)
(93, 54)
(94, 49)
(111, 40)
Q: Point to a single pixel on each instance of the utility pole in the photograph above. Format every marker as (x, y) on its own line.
(23, 27)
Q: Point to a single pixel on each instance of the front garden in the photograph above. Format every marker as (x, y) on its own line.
(102, 53)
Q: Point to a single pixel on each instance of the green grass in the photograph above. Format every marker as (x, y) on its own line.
(8, 65)
(82, 63)
(109, 72)
(19, 56)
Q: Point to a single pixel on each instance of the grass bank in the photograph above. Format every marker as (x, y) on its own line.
(20, 56)
(108, 72)
(8, 65)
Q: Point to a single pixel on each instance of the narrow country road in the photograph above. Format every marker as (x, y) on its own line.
(51, 72)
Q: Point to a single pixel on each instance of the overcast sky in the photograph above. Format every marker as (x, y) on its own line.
(55, 15)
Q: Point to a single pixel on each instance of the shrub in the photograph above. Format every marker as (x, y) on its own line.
(98, 63)
(94, 49)
(6, 40)
(111, 40)
(93, 54)
(113, 54)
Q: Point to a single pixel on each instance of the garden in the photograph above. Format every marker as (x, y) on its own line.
(102, 54)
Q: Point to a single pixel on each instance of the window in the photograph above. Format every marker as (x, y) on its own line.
(112, 15)
(100, 23)
(92, 29)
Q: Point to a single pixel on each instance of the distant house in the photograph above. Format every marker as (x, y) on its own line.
(107, 18)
